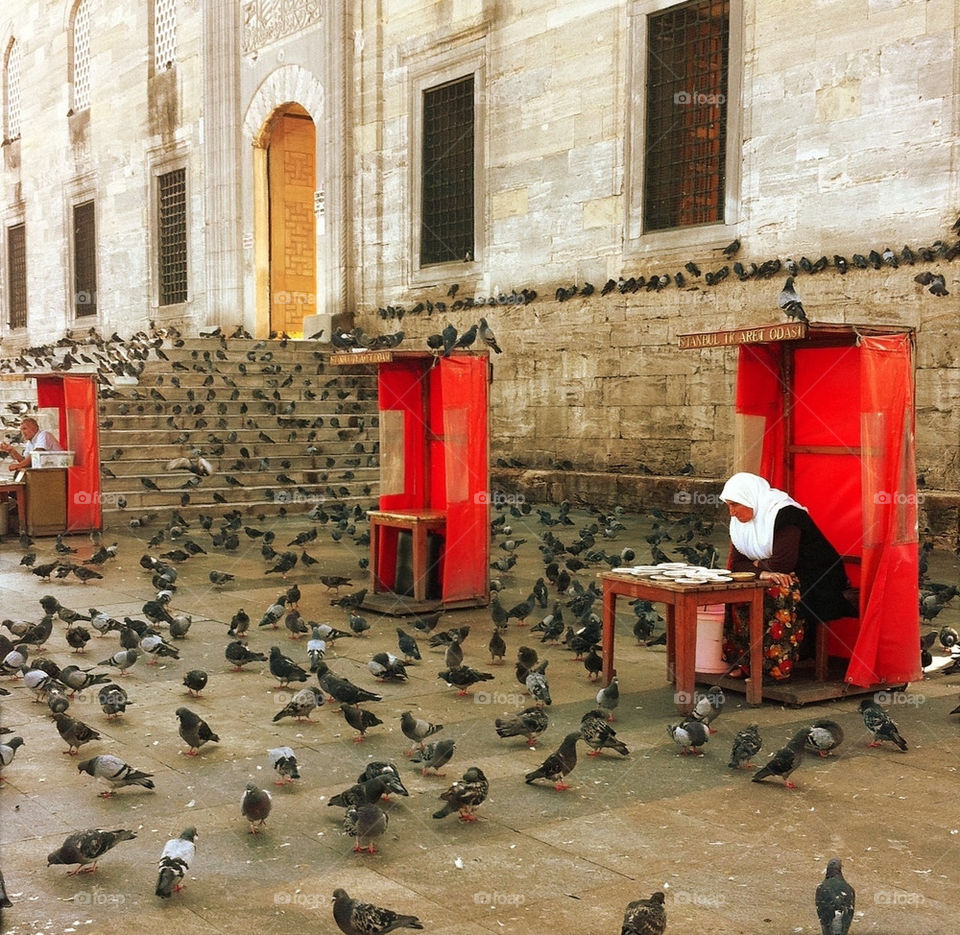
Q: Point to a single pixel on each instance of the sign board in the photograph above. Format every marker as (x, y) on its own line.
(787, 331)
(361, 357)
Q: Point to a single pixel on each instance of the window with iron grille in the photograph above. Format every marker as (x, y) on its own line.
(11, 87)
(17, 274)
(172, 236)
(81, 56)
(164, 34)
(686, 125)
(446, 231)
(84, 260)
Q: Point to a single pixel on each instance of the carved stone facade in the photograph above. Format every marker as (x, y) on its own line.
(268, 21)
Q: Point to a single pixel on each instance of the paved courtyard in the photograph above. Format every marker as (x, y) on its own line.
(733, 857)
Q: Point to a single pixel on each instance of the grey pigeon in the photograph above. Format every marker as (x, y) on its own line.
(465, 795)
(366, 792)
(122, 660)
(316, 647)
(835, 900)
(195, 731)
(463, 677)
(302, 703)
(746, 744)
(785, 760)
(114, 773)
(689, 735)
(880, 724)
(645, 916)
(113, 700)
(434, 755)
(559, 764)
(156, 647)
(366, 823)
(284, 761)
(284, 669)
(598, 734)
(359, 719)
(389, 772)
(417, 729)
(343, 690)
(78, 679)
(238, 655)
(825, 735)
(385, 666)
(357, 918)
(407, 645)
(255, 805)
(536, 682)
(86, 848)
(708, 707)
(608, 698)
(195, 681)
(488, 337)
(530, 723)
(175, 860)
(8, 750)
(789, 301)
(75, 733)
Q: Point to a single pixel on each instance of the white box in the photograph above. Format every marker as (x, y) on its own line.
(51, 459)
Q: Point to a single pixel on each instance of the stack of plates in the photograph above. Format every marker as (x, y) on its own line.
(677, 572)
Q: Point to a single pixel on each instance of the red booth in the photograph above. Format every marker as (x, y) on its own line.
(75, 398)
(826, 412)
(430, 539)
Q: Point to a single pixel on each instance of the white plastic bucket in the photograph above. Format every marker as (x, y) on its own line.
(710, 639)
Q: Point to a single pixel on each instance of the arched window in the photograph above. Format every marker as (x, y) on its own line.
(11, 91)
(164, 34)
(81, 56)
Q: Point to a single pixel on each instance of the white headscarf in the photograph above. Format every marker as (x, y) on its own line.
(755, 538)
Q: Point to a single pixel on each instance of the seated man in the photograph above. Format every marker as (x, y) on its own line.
(36, 439)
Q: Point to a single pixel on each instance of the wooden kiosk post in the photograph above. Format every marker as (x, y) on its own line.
(430, 538)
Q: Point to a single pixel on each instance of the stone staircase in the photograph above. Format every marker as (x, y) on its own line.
(283, 430)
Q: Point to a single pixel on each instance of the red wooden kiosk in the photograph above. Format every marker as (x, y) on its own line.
(74, 397)
(826, 412)
(430, 538)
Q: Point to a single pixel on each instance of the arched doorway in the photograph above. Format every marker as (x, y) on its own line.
(292, 241)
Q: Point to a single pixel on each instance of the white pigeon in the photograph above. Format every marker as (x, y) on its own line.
(176, 859)
(284, 761)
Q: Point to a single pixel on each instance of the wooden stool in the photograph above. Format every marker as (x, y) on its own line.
(17, 492)
(418, 523)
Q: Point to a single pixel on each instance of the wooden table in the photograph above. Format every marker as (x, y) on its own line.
(682, 601)
(417, 522)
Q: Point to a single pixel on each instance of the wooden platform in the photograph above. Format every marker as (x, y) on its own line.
(395, 605)
(802, 688)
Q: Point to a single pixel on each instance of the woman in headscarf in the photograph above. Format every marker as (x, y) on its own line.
(775, 537)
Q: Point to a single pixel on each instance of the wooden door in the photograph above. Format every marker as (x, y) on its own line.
(293, 245)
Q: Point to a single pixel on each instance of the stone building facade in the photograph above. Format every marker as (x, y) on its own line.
(300, 132)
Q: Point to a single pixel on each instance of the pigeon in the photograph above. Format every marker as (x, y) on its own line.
(689, 735)
(255, 805)
(284, 669)
(536, 683)
(825, 735)
(416, 729)
(497, 646)
(8, 750)
(434, 755)
(880, 724)
(343, 690)
(359, 719)
(789, 301)
(608, 698)
(74, 733)
(77, 679)
(593, 663)
(238, 655)
(708, 707)
(453, 655)
(785, 760)
(366, 823)
(294, 623)
(463, 677)
(385, 666)
(407, 645)
(195, 731)
(358, 624)
(368, 791)
(284, 761)
(559, 764)
(488, 337)
(645, 916)
(77, 638)
(530, 723)
(195, 681)
(835, 900)
(122, 660)
(175, 860)
(302, 703)
(597, 734)
(113, 700)
(746, 744)
(465, 795)
(357, 918)
(114, 773)
(86, 848)
(316, 647)
(239, 623)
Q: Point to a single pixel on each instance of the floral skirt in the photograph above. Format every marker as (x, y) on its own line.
(782, 632)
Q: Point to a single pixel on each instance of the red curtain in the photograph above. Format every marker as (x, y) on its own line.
(760, 390)
(887, 647)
